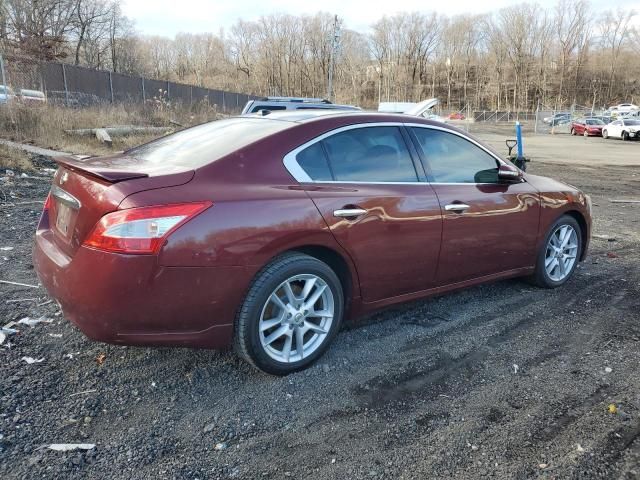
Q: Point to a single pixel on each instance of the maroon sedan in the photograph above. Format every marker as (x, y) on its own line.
(266, 232)
(587, 127)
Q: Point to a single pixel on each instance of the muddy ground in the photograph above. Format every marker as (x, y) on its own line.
(499, 381)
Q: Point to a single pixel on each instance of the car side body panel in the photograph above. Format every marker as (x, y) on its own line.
(496, 234)
(396, 243)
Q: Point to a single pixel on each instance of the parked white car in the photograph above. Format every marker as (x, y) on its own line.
(624, 128)
(424, 109)
(624, 107)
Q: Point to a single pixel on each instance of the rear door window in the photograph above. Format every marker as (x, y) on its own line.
(370, 154)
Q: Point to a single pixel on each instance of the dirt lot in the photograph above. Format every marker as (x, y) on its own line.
(501, 381)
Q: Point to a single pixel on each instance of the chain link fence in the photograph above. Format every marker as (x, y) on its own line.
(553, 120)
(545, 119)
(75, 86)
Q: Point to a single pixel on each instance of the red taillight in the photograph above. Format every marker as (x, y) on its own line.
(141, 230)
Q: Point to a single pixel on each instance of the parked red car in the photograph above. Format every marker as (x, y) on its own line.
(587, 127)
(456, 116)
(267, 231)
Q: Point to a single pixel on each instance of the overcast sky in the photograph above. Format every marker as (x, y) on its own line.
(168, 17)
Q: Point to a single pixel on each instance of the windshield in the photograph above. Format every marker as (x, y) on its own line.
(197, 146)
(595, 121)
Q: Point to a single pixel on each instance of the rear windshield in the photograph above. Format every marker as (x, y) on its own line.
(632, 122)
(198, 146)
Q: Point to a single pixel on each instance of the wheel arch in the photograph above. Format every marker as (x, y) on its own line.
(338, 263)
(584, 230)
(325, 251)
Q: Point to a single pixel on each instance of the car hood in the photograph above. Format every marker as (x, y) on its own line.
(422, 107)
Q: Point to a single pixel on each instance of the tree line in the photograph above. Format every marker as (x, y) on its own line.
(513, 59)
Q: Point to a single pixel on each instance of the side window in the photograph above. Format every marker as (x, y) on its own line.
(453, 159)
(370, 154)
(314, 162)
(271, 108)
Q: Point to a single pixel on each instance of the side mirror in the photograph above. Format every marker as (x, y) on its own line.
(509, 173)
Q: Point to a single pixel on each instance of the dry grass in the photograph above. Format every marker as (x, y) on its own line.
(44, 125)
(14, 159)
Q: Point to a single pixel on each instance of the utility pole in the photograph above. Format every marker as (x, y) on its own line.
(335, 40)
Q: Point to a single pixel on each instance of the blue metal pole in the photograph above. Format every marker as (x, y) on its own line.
(519, 138)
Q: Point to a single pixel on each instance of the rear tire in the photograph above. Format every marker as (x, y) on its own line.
(290, 315)
(559, 255)
(586, 134)
(605, 134)
(625, 136)
(573, 132)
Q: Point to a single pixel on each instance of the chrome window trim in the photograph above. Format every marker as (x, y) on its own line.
(291, 164)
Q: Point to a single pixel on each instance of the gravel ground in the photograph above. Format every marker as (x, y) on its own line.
(503, 381)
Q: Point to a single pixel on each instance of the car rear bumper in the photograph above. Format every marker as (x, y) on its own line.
(131, 300)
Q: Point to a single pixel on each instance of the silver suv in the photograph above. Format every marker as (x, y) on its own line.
(292, 103)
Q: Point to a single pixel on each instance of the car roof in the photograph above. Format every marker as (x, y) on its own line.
(324, 120)
(254, 106)
(307, 116)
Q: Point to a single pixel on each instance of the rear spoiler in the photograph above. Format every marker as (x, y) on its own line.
(93, 169)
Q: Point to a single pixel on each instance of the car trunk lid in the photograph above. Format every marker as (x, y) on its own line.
(85, 189)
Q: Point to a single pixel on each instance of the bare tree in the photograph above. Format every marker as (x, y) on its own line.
(90, 16)
(615, 31)
(39, 27)
(512, 59)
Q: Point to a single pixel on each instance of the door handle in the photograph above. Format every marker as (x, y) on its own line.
(349, 212)
(452, 207)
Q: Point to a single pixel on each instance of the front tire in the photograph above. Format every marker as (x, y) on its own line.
(290, 315)
(573, 132)
(605, 134)
(559, 254)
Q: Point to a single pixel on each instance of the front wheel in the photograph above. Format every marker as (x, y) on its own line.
(586, 134)
(560, 253)
(605, 134)
(573, 132)
(290, 315)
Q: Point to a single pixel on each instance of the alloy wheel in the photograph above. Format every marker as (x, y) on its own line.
(562, 250)
(296, 318)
